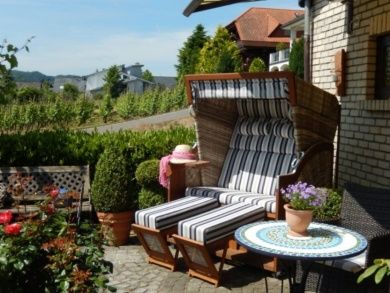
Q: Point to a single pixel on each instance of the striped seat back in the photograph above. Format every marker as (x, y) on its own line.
(261, 148)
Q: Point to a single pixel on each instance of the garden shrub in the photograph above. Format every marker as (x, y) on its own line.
(331, 209)
(70, 92)
(296, 57)
(111, 189)
(62, 147)
(29, 94)
(44, 254)
(151, 192)
(257, 65)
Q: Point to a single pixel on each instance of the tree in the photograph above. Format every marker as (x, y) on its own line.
(8, 61)
(147, 75)
(70, 92)
(296, 57)
(188, 56)
(257, 65)
(113, 83)
(106, 107)
(220, 54)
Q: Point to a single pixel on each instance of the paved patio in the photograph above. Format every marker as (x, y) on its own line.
(131, 273)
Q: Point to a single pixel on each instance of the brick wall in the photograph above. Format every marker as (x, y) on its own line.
(365, 122)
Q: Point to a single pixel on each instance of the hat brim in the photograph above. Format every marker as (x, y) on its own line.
(181, 161)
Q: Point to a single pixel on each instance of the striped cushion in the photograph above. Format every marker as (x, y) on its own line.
(353, 264)
(263, 143)
(168, 214)
(228, 196)
(254, 171)
(252, 126)
(265, 88)
(279, 108)
(219, 223)
(282, 128)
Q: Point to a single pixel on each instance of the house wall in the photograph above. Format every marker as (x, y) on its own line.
(365, 122)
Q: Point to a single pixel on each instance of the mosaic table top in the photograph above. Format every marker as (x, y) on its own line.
(324, 241)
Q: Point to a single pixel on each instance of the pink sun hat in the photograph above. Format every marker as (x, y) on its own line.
(182, 153)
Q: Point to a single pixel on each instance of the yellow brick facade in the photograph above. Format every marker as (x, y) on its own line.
(365, 131)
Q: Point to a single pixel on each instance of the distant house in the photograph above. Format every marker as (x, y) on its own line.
(60, 80)
(131, 76)
(258, 30)
(280, 59)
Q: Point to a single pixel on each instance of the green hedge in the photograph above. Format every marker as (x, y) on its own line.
(79, 148)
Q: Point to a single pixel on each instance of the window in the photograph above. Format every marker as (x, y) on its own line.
(383, 68)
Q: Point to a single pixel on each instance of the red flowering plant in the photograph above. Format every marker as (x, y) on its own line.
(47, 253)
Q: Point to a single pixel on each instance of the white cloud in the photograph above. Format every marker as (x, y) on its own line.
(157, 51)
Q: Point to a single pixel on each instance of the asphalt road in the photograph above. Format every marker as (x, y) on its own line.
(156, 119)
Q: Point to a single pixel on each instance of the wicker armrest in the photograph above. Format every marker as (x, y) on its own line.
(378, 247)
(311, 169)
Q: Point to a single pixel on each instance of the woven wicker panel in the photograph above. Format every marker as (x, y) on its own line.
(319, 170)
(315, 116)
(311, 128)
(215, 120)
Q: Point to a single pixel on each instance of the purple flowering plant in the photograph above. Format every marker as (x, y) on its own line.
(303, 196)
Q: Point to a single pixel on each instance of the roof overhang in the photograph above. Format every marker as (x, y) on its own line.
(199, 5)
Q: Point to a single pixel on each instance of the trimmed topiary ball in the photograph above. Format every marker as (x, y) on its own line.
(149, 197)
(152, 193)
(147, 173)
(111, 188)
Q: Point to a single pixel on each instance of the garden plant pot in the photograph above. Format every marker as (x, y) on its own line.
(297, 221)
(116, 227)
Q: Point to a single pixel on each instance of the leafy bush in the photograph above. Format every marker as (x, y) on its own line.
(111, 188)
(219, 54)
(106, 107)
(281, 46)
(151, 193)
(257, 65)
(29, 94)
(149, 198)
(331, 209)
(70, 92)
(83, 110)
(44, 254)
(296, 57)
(381, 269)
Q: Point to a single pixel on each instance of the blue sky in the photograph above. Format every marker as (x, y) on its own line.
(80, 36)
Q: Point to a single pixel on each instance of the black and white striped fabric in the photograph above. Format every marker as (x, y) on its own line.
(228, 196)
(168, 214)
(219, 223)
(278, 108)
(265, 88)
(254, 162)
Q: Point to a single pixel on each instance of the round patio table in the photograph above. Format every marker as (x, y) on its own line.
(325, 242)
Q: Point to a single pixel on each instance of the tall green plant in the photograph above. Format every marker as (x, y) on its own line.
(188, 56)
(113, 85)
(106, 108)
(220, 54)
(296, 57)
(111, 188)
(8, 61)
(257, 65)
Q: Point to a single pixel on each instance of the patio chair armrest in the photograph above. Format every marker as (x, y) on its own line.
(311, 169)
(378, 247)
(177, 177)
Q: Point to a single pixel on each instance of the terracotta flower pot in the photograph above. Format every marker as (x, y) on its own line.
(116, 226)
(298, 221)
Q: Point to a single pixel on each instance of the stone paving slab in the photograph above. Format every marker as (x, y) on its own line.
(131, 273)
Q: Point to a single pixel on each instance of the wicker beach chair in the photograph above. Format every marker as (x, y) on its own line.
(256, 133)
(365, 210)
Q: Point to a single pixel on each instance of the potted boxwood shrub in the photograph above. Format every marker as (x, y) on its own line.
(151, 192)
(112, 196)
